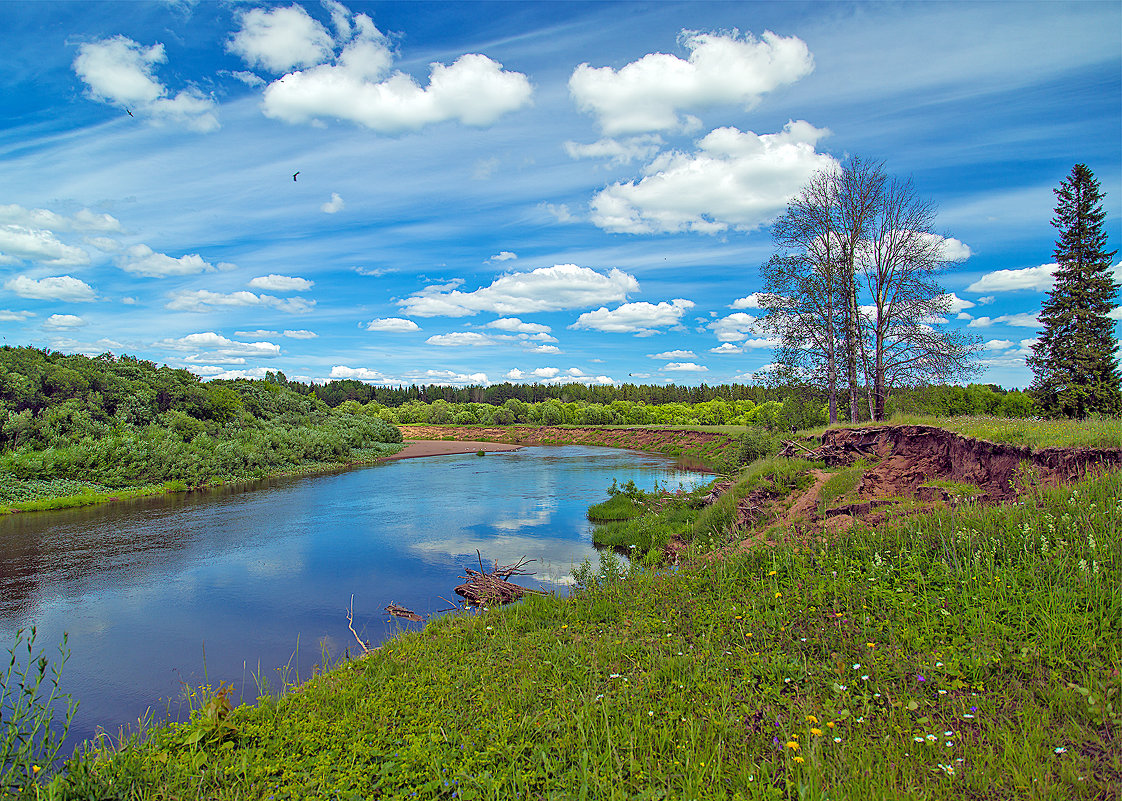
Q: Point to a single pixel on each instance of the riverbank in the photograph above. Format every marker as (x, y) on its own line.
(67, 494)
(709, 450)
(895, 661)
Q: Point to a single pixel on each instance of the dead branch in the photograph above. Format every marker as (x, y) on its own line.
(350, 625)
(487, 589)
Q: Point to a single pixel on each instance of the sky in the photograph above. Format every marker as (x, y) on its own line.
(472, 193)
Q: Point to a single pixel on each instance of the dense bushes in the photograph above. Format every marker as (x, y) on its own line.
(122, 422)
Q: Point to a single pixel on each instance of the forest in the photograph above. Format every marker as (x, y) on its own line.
(121, 421)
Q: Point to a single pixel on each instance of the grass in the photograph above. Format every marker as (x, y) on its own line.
(966, 653)
(618, 507)
(841, 485)
(1035, 433)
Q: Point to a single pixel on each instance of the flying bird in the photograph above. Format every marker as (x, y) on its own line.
(128, 112)
(295, 174)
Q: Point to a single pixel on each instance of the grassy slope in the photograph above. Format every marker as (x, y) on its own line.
(958, 654)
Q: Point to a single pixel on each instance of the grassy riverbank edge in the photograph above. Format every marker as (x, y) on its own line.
(969, 652)
(92, 494)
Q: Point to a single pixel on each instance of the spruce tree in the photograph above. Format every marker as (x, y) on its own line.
(1075, 359)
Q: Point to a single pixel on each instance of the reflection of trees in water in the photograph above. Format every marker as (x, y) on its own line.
(88, 549)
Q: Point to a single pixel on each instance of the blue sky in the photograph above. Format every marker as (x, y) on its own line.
(515, 191)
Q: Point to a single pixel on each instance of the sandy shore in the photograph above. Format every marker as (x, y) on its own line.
(442, 447)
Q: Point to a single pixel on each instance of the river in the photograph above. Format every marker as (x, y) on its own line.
(251, 584)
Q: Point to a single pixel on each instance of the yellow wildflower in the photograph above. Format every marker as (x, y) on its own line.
(811, 719)
(793, 746)
(816, 732)
(799, 760)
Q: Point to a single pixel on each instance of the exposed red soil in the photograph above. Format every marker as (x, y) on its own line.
(906, 459)
(911, 456)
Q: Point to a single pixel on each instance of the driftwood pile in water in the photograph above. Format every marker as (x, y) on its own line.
(488, 589)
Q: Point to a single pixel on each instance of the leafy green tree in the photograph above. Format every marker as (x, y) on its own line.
(1075, 359)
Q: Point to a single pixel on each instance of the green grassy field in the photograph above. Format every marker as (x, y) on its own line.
(968, 652)
(1106, 433)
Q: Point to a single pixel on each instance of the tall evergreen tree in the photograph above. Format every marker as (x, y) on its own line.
(1075, 360)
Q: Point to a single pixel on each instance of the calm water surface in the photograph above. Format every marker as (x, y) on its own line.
(161, 593)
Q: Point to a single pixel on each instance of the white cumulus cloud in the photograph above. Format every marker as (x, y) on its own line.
(749, 302)
(1039, 279)
(279, 39)
(121, 72)
(392, 325)
(63, 287)
(722, 69)
(201, 300)
(281, 283)
(142, 260)
(735, 179)
(563, 286)
(61, 321)
(684, 367)
(335, 204)
(673, 354)
(735, 327)
(640, 318)
(957, 304)
(503, 255)
(461, 339)
(727, 348)
(9, 316)
(350, 76)
(209, 340)
(37, 245)
(514, 325)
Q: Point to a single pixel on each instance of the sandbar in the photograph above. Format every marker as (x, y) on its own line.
(443, 447)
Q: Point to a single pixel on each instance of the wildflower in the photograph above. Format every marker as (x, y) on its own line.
(918, 739)
(856, 665)
(650, 714)
(1060, 749)
(816, 732)
(35, 768)
(811, 719)
(920, 677)
(968, 715)
(859, 720)
(779, 595)
(871, 644)
(772, 573)
(942, 692)
(865, 677)
(799, 760)
(792, 745)
(947, 769)
(829, 724)
(567, 626)
(837, 739)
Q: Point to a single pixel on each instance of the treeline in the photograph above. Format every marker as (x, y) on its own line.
(941, 400)
(121, 421)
